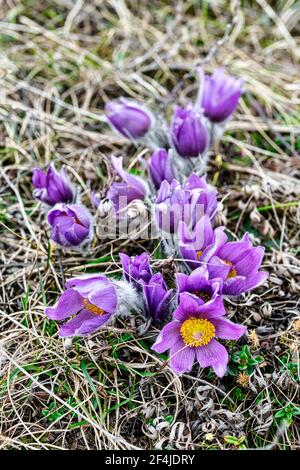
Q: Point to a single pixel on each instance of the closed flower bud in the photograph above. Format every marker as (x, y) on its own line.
(129, 118)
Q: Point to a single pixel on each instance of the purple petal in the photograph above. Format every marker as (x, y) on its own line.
(84, 323)
(215, 355)
(182, 357)
(104, 297)
(69, 303)
(167, 337)
(225, 329)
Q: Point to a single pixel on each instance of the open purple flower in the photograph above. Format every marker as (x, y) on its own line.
(131, 187)
(160, 167)
(71, 224)
(219, 95)
(193, 333)
(188, 132)
(129, 118)
(136, 268)
(157, 297)
(92, 298)
(198, 283)
(238, 263)
(53, 186)
(197, 246)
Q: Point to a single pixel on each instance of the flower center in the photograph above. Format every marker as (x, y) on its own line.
(202, 295)
(232, 272)
(199, 254)
(197, 331)
(93, 308)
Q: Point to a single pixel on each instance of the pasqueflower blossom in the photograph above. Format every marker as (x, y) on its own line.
(219, 95)
(197, 246)
(193, 334)
(92, 298)
(188, 132)
(199, 284)
(238, 263)
(53, 186)
(172, 206)
(160, 167)
(136, 268)
(157, 297)
(129, 118)
(131, 187)
(202, 196)
(71, 224)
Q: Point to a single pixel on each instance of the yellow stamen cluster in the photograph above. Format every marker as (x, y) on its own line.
(93, 308)
(202, 295)
(199, 254)
(197, 331)
(232, 272)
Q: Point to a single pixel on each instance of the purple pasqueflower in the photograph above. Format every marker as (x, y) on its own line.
(199, 284)
(219, 95)
(91, 297)
(53, 186)
(71, 224)
(129, 118)
(171, 206)
(188, 132)
(197, 246)
(238, 263)
(203, 199)
(160, 167)
(136, 268)
(156, 297)
(130, 189)
(193, 335)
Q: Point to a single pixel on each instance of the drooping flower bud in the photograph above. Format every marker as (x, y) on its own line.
(129, 118)
(71, 224)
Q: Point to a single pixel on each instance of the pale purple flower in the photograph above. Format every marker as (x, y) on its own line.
(53, 186)
(136, 268)
(160, 167)
(193, 334)
(129, 189)
(157, 297)
(199, 284)
(172, 206)
(71, 224)
(203, 199)
(188, 132)
(129, 118)
(92, 298)
(198, 245)
(238, 263)
(219, 95)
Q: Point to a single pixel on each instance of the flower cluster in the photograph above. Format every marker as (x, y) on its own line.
(192, 317)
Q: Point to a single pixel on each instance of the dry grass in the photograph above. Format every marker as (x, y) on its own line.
(60, 62)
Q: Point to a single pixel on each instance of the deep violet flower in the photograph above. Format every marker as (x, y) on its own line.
(193, 333)
(71, 224)
(160, 167)
(188, 132)
(219, 95)
(199, 284)
(129, 118)
(238, 263)
(157, 297)
(202, 196)
(92, 298)
(197, 246)
(136, 268)
(131, 187)
(53, 186)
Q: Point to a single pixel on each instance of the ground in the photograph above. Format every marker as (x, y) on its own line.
(60, 61)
